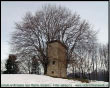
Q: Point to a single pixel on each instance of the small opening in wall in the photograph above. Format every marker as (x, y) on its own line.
(53, 62)
(52, 72)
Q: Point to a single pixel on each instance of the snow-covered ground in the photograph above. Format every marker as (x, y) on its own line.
(32, 80)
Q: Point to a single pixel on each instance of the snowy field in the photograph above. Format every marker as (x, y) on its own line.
(27, 80)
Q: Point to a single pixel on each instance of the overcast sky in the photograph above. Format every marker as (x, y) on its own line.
(95, 12)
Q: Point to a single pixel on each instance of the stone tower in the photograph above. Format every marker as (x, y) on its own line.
(57, 59)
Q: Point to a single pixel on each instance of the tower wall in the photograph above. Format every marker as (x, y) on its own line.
(57, 60)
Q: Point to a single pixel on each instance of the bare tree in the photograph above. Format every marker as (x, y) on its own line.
(104, 60)
(51, 23)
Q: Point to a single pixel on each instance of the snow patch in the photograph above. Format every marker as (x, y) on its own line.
(41, 79)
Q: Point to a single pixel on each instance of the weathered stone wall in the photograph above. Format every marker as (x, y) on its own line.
(57, 60)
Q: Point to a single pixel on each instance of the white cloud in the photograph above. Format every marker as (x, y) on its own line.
(4, 50)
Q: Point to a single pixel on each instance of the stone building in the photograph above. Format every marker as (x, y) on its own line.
(57, 59)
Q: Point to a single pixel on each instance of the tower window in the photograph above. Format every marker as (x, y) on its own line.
(52, 72)
(53, 62)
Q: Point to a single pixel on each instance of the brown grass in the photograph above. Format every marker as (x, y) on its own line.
(80, 79)
(75, 79)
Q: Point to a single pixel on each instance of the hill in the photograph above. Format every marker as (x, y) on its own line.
(23, 80)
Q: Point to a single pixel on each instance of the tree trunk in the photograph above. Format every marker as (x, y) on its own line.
(45, 69)
(73, 72)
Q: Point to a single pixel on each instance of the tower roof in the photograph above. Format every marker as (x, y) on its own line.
(58, 42)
